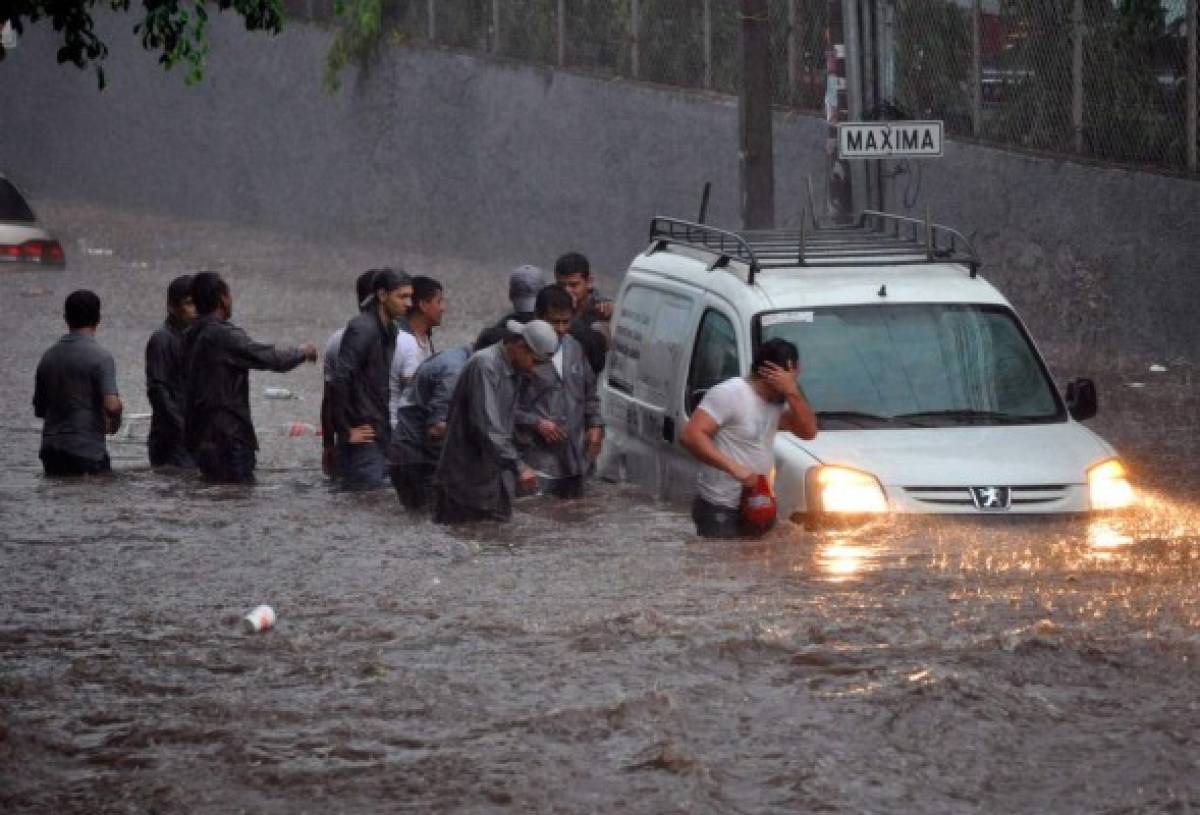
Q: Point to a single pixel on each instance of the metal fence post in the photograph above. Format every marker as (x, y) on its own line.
(793, 50)
(1077, 74)
(634, 37)
(495, 26)
(977, 69)
(562, 33)
(1193, 87)
(708, 42)
(431, 22)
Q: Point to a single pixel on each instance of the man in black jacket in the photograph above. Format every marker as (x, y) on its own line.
(218, 357)
(589, 327)
(165, 380)
(360, 383)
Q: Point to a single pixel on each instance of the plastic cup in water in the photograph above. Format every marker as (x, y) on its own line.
(278, 393)
(260, 619)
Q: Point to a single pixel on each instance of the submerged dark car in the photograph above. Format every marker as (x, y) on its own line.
(24, 244)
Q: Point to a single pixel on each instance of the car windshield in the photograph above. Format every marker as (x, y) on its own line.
(12, 205)
(917, 365)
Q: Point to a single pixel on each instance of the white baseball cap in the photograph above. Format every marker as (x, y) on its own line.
(539, 335)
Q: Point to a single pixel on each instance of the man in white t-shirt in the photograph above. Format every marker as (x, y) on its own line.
(732, 433)
(414, 342)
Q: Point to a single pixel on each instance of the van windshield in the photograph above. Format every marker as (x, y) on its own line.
(917, 365)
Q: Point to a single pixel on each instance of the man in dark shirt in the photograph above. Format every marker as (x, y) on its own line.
(164, 378)
(523, 286)
(75, 393)
(360, 382)
(218, 357)
(589, 327)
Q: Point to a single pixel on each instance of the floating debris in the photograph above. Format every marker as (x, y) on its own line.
(260, 619)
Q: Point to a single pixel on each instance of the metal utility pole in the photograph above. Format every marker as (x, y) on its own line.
(756, 142)
(840, 201)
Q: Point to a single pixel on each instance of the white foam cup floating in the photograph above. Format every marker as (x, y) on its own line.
(260, 619)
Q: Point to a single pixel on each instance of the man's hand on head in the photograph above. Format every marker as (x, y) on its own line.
(781, 380)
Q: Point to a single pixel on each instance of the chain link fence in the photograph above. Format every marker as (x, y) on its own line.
(1102, 79)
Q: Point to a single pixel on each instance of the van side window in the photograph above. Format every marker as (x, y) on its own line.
(714, 359)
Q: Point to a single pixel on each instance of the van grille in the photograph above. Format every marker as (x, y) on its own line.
(1028, 495)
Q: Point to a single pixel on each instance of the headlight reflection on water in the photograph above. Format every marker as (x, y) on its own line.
(1104, 539)
(841, 559)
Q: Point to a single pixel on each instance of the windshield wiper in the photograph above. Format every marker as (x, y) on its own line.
(854, 417)
(971, 416)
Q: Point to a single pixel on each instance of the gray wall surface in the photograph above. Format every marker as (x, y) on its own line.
(464, 155)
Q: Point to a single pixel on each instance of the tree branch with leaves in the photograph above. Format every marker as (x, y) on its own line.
(176, 30)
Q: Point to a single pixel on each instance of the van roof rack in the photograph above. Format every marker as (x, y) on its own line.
(880, 238)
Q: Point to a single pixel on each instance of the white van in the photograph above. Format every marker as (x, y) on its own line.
(930, 395)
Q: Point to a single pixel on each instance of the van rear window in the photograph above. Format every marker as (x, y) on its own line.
(12, 205)
(648, 332)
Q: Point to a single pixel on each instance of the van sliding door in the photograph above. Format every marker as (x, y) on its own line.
(652, 331)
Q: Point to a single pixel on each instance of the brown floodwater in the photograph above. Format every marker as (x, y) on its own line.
(588, 657)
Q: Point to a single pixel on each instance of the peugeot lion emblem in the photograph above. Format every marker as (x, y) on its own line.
(992, 499)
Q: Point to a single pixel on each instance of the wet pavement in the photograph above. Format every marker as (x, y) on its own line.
(588, 657)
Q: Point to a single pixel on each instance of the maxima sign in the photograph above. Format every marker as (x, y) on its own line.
(890, 140)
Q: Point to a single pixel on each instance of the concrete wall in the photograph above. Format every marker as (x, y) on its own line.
(450, 153)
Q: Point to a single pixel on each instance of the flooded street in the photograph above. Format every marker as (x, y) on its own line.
(588, 657)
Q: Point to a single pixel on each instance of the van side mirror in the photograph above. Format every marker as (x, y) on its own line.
(1082, 402)
(694, 399)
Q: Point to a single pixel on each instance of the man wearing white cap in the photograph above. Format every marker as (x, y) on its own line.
(480, 467)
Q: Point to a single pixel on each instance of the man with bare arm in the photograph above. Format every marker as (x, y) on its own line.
(732, 433)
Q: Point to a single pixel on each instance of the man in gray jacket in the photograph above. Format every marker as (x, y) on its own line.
(360, 383)
(421, 425)
(559, 429)
(478, 473)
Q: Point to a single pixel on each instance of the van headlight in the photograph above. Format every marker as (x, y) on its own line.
(1109, 485)
(843, 490)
